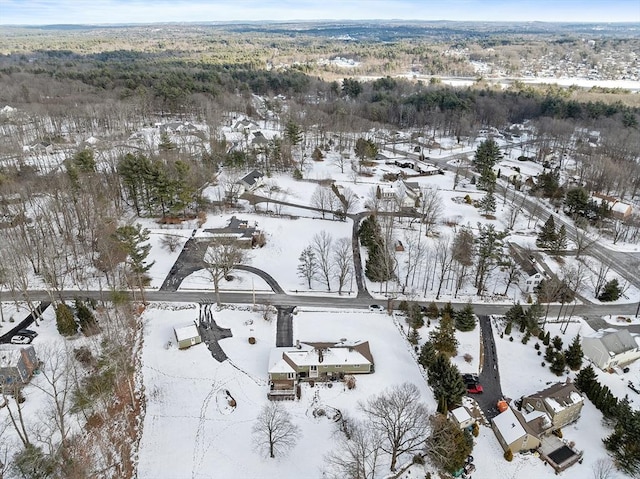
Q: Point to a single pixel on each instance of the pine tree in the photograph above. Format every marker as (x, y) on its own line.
(427, 355)
(558, 363)
(585, 379)
(86, 318)
(611, 291)
(465, 319)
(515, 314)
(507, 329)
(559, 243)
(547, 234)
(416, 321)
(547, 339)
(574, 354)
(65, 321)
(557, 342)
(432, 310)
(488, 202)
(444, 337)
(487, 155)
(446, 382)
(549, 354)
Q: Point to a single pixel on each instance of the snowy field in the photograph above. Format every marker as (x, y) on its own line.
(207, 439)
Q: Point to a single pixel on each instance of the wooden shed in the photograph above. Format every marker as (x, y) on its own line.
(187, 336)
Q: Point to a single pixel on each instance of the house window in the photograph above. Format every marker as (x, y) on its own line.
(291, 375)
(338, 366)
(528, 282)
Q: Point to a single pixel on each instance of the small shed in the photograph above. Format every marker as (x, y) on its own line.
(187, 336)
(462, 418)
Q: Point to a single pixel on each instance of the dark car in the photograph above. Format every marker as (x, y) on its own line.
(27, 332)
(470, 378)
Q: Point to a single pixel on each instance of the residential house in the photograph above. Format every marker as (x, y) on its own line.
(316, 361)
(619, 210)
(250, 181)
(17, 364)
(609, 348)
(187, 336)
(240, 232)
(245, 126)
(513, 432)
(532, 273)
(562, 402)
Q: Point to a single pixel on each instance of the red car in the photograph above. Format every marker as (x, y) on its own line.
(474, 388)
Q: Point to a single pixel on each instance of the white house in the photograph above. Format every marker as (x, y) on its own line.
(609, 348)
(512, 432)
(461, 417)
(251, 181)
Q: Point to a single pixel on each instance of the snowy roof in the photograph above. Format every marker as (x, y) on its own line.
(615, 341)
(620, 207)
(186, 332)
(509, 427)
(461, 414)
(327, 354)
(559, 396)
(9, 357)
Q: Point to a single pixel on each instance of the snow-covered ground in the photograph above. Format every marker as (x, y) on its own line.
(188, 419)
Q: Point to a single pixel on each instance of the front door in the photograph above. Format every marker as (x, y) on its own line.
(313, 371)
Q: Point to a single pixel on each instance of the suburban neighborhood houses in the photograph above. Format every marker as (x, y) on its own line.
(335, 250)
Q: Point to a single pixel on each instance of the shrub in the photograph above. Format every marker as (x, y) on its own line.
(468, 358)
(476, 430)
(418, 459)
(252, 340)
(511, 338)
(350, 381)
(508, 455)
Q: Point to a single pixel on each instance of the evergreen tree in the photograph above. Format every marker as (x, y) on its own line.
(611, 291)
(488, 202)
(427, 355)
(574, 354)
(487, 180)
(547, 234)
(533, 315)
(416, 321)
(432, 310)
(444, 337)
(487, 155)
(293, 133)
(446, 382)
(465, 319)
(448, 309)
(507, 329)
(547, 339)
(558, 363)
(585, 379)
(414, 336)
(165, 142)
(515, 314)
(65, 321)
(549, 354)
(86, 318)
(557, 343)
(559, 243)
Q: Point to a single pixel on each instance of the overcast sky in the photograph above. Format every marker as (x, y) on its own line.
(39, 12)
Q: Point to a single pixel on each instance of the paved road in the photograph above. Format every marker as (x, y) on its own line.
(26, 322)
(490, 374)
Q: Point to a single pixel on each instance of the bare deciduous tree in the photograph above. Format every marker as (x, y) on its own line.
(430, 208)
(603, 469)
(342, 261)
(171, 242)
(357, 453)
(221, 256)
(274, 433)
(400, 417)
(321, 245)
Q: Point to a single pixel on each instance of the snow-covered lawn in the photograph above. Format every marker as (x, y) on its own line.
(188, 419)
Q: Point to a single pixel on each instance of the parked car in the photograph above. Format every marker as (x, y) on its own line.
(473, 378)
(376, 308)
(21, 340)
(474, 388)
(27, 332)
